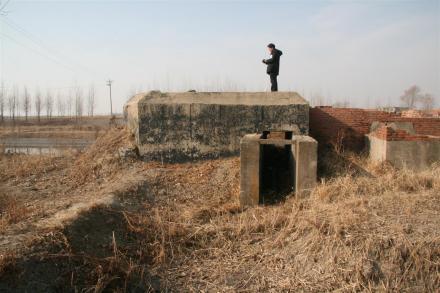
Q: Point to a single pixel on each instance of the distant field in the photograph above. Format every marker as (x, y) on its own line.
(100, 120)
(31, 135)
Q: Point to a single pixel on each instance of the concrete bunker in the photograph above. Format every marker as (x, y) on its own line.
(275, 164)
(281, 159)
(196, 125)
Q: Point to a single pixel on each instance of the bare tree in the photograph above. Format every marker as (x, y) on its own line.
(38, 104)
(69, 103)
(411, 96)
(48, 104)
(317, 100)
(17, 102)
(78, 103)
(26, 103)
(341, 104)
(2, 101)
(60, 105)
(91, 101)
(12, 104)
(427, 101)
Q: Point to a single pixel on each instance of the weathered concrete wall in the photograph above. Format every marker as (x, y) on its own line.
(377, 148)
(416, 155)
(398, 144)
(131, 115)
(179, 126)
(304, 159)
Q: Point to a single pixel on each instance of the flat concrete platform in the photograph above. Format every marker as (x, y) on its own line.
(220, 98)
(192, 125)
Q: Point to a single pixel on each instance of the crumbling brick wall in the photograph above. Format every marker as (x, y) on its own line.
(421, 114)
(389, 134)
(348, 126)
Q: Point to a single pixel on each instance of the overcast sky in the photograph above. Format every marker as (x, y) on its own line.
(366, 52)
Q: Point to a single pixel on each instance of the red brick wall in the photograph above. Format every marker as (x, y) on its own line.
(350, 125)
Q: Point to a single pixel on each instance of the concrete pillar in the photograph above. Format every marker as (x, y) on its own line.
(250, 170)
(305, 155)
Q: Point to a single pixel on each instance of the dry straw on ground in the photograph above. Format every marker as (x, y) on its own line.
(364, 228)
(353, 233)
(101, 158)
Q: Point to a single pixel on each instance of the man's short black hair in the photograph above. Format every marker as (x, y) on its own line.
(272, 46)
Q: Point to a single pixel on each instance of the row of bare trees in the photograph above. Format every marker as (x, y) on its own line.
(412, 98)
(21, 104)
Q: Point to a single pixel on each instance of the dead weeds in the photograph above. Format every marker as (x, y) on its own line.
(364, 228)
(101, 159)
(20, 166)
(11, 211)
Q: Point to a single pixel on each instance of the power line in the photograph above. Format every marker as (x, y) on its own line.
(39, 43)
(43, 51)
(37, 52)
(3, 12)
(2, 7)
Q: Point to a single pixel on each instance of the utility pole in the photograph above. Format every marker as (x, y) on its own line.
(109, 83)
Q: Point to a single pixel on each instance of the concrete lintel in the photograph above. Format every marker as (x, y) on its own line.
(304, 138)
(250, 138)
(276, 141)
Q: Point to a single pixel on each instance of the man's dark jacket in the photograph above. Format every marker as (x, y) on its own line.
(273, 64)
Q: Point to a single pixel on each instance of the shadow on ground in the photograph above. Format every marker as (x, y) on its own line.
(96, 252)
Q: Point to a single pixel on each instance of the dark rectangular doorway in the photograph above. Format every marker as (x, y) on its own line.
(277, 172)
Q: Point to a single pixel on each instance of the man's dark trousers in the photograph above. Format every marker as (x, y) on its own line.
(273, 82)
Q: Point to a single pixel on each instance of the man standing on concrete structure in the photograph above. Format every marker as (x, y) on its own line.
(273, 66)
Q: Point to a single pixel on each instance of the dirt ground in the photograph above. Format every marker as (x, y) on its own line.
(104, 221)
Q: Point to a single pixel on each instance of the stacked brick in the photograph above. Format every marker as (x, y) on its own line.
(389, 134)
(348, 126)
(421, 114)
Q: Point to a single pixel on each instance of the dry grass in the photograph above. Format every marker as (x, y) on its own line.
(364, 228)
(354, 232)
(101, 159)
(18, 166)
(11, 211)
(7, 263)
(382, 181)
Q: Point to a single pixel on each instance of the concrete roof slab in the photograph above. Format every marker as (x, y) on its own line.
(220, 98)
